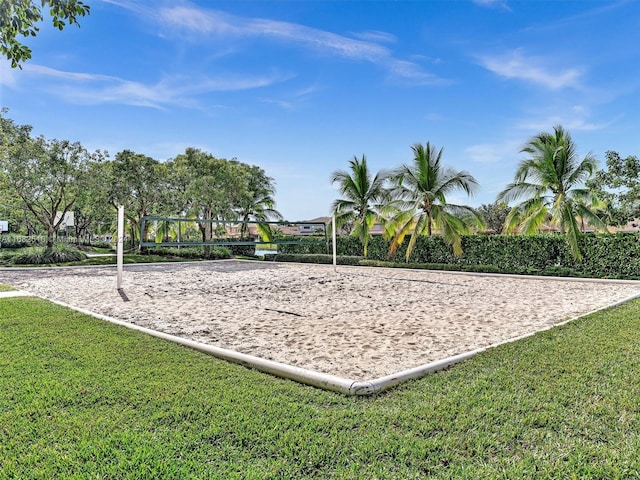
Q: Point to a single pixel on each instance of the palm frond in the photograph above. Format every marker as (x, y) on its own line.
(452, 228)
(402, 225)
(572, 230)
(515, 191)
(527, 217)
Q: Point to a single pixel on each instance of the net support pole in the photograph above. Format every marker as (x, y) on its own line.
(333, 240)
(120, 246)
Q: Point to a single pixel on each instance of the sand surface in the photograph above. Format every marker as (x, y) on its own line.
(359, 323)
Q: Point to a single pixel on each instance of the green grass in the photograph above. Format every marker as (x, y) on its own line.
(6, 288)
(94, 249)
(81, 398)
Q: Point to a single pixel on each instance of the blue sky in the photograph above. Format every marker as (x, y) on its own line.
(300, 87)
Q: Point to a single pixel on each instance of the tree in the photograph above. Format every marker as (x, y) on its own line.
(548, 182)
(12, 208)
(421, 190)
(95, 213)
(364, 199)
(258, 203)
(44, 174)
(619, 187)
(210, 188)
(20, 17)
(494, 215)
(139, 183)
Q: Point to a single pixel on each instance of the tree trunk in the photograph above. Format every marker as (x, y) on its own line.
(135, 232)
(50, 237)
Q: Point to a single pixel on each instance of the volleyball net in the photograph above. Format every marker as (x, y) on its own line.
(175, 232)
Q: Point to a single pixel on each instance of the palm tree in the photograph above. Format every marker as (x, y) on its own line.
(258, 204)
(421, 194)
(549, 183)
(364, 199)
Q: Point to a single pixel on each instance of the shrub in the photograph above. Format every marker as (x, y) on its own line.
(315, 258)
(60, 253)
(14, 241)
(242, 250)
(216, 252)
(308, 245)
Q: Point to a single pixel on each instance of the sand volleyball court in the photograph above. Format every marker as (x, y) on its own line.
(358, 323)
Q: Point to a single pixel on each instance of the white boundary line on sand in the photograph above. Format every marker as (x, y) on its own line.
(321, 380)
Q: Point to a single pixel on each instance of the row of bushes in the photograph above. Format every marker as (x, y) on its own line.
(604, 255)
(215, 252)
(321, 258)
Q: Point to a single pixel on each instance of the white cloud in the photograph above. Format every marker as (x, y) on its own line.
(292, 100)
(492, 152)
(42, 71)
(304, 92)
(212, 22)
(193, 21)
(571, 124)
(376, 36)
(411, 72)
(284, 104)
(515, 65)
(434, 117)
(91, 89)
(576, 118)
(493, 4)
(9, 75)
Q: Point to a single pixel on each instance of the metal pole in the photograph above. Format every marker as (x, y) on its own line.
(120, 246)
(333, 234)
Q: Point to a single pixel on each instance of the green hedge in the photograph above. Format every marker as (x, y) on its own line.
(309, 246)
(216, 253)
(322, 258)
(604, 255)
(243, 250)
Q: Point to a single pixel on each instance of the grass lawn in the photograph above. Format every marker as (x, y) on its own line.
(82, 398)
(6, 288)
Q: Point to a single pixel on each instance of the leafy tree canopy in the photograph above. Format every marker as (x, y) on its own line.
(43, 174)
(619, 186)
(494, 215)
(20, 18)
